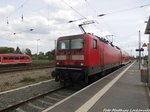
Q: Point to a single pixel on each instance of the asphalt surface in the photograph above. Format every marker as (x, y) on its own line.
(128, 94)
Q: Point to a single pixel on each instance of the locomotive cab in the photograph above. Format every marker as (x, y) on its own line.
(69, 58)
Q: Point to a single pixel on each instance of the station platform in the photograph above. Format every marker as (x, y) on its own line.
(121, 91)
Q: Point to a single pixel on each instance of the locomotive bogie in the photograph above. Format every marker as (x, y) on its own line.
(69, 75)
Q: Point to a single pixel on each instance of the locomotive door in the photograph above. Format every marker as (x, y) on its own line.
(0, 59)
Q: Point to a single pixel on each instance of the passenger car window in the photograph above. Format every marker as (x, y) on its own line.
(21, 57)
(6, 58)
(16, 58)
(11, 57)
(26, 57)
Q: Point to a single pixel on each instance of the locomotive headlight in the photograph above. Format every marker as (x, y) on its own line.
(57, 63)
(81, 64)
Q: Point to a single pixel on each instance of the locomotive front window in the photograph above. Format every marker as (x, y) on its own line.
(63, 44)
(77, 43)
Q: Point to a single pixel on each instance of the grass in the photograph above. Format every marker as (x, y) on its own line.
(27, 80)
(31, 80)
(44, 77)
(42, 61)
(6, 83)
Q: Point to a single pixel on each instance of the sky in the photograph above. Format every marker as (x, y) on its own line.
(49, 20)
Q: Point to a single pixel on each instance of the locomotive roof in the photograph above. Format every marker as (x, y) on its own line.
(107, 42)
(12, 54)
(70, 36)
(81, 35)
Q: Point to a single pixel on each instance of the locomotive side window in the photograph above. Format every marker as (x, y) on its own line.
(94, 44)
(77, 43)
(63, 44)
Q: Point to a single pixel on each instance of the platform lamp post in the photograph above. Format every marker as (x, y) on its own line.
(37, 49)
(147, 31)
(139, 49)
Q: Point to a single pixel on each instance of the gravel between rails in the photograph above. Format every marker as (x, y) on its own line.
(18, 79)
(17, 96)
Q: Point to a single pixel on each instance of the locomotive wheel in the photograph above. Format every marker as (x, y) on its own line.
(63, 83)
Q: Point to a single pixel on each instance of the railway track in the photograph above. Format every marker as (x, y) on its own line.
(42, 102)
(23, 68)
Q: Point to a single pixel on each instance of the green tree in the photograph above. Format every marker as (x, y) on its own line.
(6, 50)
(28, 51)
(52, 53)
(48, 53)
(41, 53)
(41, 56)
(18, 51)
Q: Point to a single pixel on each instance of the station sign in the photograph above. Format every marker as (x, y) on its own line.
(144, 45)
(140, 49)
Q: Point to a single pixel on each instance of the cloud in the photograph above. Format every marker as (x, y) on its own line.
(4, 11)
(51, 22)
(64, 3)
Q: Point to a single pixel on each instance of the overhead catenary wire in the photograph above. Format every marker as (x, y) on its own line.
(16, 10)
(119, 11)
(104, 14)
(83, 17)
(93, 9)
(124, 10)
(15, 33)
(73, 9)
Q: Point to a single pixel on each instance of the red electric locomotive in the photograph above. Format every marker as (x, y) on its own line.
(80, 56)
(7, 59)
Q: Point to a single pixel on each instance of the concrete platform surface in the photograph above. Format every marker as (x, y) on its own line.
(121, 91)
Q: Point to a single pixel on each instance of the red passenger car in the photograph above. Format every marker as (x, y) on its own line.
(6, 59)
(80, 56)
(125, 58)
